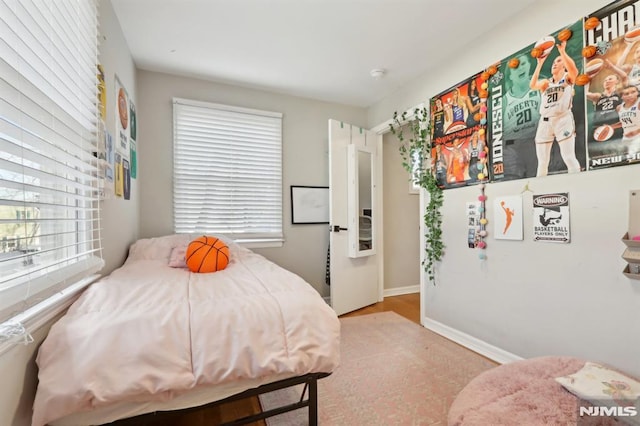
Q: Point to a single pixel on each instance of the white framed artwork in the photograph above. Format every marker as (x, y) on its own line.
(508, 218)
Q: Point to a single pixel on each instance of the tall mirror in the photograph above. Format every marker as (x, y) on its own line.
(361, 201)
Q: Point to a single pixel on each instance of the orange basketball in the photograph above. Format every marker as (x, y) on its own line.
(514, 62)
(632, 35)
(207, 254)
(485, 76)
(565, 34)
(593, 67)
(492, 70)
(591, 23)
(582, 79)
(536, 52)
(589, 51)
(545, 46)
(603, 133)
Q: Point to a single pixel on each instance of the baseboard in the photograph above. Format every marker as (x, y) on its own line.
(398, 291)
(483, 348)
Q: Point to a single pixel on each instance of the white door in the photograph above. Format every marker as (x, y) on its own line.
(354, 281)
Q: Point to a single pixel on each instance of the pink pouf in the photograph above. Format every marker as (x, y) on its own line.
(519, 393)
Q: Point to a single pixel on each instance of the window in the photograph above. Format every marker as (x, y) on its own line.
(227, 171)
(49, 218)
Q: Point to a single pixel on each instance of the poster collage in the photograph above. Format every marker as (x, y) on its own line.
(567, 103)
(117, 156)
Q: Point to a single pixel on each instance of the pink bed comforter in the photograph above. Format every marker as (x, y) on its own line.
(151, 332)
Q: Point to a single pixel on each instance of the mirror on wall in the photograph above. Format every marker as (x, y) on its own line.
(361, 201)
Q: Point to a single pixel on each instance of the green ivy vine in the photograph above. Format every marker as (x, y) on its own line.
(413, 133)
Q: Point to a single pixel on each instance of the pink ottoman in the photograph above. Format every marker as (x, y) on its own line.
(520, 393)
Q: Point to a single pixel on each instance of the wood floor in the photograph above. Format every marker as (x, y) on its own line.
(406, 305)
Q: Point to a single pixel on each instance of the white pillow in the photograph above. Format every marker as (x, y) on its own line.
(158, 248)
(602, 386)
(178, 257)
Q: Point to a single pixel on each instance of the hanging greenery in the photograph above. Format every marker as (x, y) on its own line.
(413, 133)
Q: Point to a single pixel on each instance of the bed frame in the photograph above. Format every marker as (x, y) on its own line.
(310, 382)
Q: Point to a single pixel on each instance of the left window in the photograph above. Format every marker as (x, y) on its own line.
(49, 187)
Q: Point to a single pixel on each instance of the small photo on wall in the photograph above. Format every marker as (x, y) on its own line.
(126, 179)
(473, 223)
(133, 121)
(110, 155)
(102, 93)
(133, 157)
(119, 182)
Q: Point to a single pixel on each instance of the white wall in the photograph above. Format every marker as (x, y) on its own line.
(305, 159)
(527, 298)
(119, 222)
(120, 217)
(401, 223)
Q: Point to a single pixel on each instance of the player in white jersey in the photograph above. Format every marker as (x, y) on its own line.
(556, 119)
(629, 113)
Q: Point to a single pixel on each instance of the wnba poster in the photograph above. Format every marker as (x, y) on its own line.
(458, 126)
(537, 111)
(613, 119)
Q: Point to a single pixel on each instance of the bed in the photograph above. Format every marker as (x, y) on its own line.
(153, 337)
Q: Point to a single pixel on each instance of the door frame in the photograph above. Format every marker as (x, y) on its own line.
(379, 228)
(382, 129)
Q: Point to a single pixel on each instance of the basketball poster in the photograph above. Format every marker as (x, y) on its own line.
(119, 181)
(122, 119)
(458, 135)
(102, 93)
(536, 111)
(613, 119)
(109, 155)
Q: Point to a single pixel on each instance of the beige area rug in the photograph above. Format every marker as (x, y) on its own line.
(392, 372)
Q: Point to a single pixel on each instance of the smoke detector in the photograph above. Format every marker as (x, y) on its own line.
(377, 73)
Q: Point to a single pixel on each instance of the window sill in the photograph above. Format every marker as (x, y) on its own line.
(39, 315)
(251, 244)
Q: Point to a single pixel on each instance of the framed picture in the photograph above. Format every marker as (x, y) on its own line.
(309, 204)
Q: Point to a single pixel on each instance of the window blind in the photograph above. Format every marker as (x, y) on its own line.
(227, 171)
(49, 215)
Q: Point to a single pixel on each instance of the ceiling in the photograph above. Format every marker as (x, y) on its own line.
(318, 49)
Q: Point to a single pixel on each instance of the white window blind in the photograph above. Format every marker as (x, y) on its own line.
(227, 171)
(49, 215)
